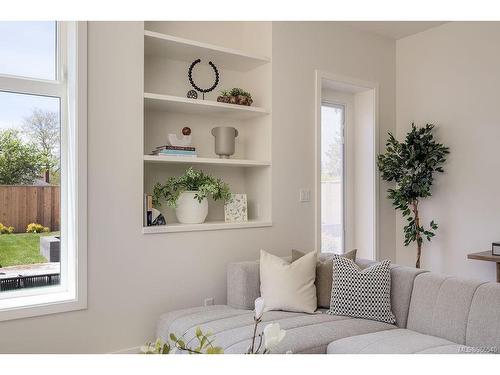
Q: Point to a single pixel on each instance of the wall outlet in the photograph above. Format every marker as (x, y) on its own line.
(304, 195)
(209, 301)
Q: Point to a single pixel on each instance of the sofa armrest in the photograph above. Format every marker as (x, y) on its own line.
(243, 284)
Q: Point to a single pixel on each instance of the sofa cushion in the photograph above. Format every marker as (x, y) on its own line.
(306, 333)
(483, 326)
(324, 271)
(402, 279)
(440, 306)
(243, 284)
(394, 341)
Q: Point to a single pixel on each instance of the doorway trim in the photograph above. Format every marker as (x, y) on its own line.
(320, 77)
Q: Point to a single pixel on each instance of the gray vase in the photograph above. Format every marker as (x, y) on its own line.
(224, 140)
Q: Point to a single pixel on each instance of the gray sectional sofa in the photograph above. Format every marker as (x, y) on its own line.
(435, 314)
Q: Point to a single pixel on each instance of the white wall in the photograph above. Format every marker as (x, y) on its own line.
(450, 75)
(132, 278)
(298, 49)
(364, 175)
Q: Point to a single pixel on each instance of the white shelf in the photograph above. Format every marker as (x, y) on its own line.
(208, 161)
(209, 225)
(176, 48)
(170, 103)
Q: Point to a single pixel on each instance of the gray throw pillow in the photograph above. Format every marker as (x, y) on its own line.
(324, 270)
(361, 293)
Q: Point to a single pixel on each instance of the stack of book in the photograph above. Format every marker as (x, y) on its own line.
(175, 151)
(148, 210)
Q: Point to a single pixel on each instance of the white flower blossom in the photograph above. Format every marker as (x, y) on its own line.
(273, 335)
(259, 308)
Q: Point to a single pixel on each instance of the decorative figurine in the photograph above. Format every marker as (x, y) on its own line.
(157, 218)
(192, 94)
(184, 141)
(190, 77)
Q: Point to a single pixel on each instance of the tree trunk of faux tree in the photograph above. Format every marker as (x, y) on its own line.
(418, 236)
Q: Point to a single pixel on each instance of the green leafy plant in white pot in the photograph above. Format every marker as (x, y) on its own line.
(189, 194)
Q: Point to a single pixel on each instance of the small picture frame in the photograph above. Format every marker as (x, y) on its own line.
(236, 209)
(495, 248)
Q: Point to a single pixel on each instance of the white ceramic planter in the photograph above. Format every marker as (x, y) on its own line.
(189, 210)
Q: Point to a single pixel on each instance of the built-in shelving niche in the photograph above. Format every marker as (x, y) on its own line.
(167, 56)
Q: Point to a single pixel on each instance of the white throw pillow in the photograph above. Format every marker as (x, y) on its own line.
(288, 286)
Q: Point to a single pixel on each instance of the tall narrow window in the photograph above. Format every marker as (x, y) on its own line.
(39, 166)
(332, 178)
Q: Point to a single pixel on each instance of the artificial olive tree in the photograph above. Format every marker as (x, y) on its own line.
(411, 165)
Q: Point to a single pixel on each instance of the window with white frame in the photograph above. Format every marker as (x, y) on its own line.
(42, 167)
(332, 177)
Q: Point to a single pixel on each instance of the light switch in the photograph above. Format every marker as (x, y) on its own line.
(304, 195)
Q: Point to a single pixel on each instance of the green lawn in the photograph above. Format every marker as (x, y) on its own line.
(21, 248)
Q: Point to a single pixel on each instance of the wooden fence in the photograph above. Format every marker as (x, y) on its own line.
(22, 205)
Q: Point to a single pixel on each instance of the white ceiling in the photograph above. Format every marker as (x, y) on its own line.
(393, 29)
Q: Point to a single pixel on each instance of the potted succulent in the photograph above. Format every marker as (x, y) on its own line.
(188, 195)
(235, 96)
